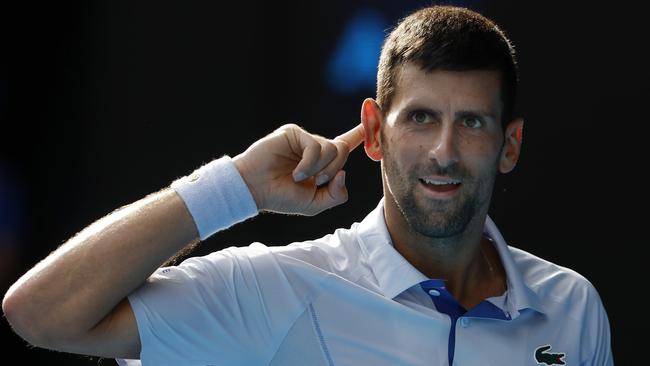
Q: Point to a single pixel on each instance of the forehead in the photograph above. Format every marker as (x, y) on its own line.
(444, 89)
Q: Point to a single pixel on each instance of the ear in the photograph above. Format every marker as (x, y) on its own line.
(371, 118)
(511, 146)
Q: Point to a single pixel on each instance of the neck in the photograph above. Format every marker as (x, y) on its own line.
(463, 261)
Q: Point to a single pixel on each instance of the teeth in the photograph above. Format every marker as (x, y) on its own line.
(440, 182)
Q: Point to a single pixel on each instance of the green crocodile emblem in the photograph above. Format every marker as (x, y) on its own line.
(548, 358)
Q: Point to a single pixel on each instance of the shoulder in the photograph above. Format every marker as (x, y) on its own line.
(555, 285)
(338, 253)
(570, 303)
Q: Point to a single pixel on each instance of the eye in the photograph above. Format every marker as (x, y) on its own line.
(473, 122)
(420, 117)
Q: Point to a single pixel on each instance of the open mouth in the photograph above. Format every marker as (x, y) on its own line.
(440, 185)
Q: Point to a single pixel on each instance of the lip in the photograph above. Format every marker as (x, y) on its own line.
(436, 194)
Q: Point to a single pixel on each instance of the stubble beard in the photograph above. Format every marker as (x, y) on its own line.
(436, 218)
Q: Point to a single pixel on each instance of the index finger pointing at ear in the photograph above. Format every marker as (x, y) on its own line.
(354, 137)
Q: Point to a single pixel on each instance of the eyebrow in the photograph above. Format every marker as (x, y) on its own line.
(470, 113)
(458, 115)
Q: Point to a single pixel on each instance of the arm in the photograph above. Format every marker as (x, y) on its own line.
(63, 300)
(74, 300)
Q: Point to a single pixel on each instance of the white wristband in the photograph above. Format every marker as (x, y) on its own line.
(216, 196)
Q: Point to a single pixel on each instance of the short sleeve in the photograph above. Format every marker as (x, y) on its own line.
(231, 307)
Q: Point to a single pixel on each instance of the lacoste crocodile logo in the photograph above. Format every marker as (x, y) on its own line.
(548, 358)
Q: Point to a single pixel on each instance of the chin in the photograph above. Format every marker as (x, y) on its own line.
(440, 221)
(439, 231)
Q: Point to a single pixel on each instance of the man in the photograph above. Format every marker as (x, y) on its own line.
(425, 279)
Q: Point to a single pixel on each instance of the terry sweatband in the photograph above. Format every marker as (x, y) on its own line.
(216, 196)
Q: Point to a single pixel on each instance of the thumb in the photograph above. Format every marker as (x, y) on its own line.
(332, 194)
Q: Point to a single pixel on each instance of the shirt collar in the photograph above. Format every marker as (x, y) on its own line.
(519, 295)
(395, 274)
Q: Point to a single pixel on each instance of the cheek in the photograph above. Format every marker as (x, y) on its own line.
(408, 152)
(480, 155)
(483, 160)
(402, 159)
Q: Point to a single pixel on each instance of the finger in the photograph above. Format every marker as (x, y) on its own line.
(319, 152)
(333, 194)
(353, 138)
(336, 164)
(328, 152)
(310, 155)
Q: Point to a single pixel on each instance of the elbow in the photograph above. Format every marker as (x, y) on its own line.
(15, 311)
(39, 325)
(11, 308)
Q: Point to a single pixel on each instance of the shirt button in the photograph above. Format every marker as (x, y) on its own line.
(464, 322)
(433, 292)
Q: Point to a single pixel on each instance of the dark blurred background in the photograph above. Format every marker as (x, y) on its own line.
(104, 102)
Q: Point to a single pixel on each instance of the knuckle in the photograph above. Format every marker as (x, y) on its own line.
(288, 131)
(342, 146)
(330, 150)
(289, 126)
(343, 151)
(312, 145)
(291, 130)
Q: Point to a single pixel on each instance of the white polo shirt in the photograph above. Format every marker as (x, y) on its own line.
(350, 298)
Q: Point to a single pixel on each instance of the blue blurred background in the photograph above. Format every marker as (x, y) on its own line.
(104, 102)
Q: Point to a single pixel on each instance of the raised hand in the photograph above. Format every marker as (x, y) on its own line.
(295, 172)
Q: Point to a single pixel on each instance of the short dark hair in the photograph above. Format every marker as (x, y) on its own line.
(448, 38)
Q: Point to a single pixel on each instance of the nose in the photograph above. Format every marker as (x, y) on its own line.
(445, 146)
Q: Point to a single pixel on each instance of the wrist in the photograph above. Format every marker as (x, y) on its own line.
(243, 168)
(216, 196)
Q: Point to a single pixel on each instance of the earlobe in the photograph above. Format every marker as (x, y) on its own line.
(511, 146)
(371, 118)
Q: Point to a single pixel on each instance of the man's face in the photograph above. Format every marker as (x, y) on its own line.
(441, 141)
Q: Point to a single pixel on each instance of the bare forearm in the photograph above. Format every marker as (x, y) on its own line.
(69, 301)
(78, 284)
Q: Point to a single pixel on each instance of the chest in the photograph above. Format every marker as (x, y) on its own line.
(340, 328)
